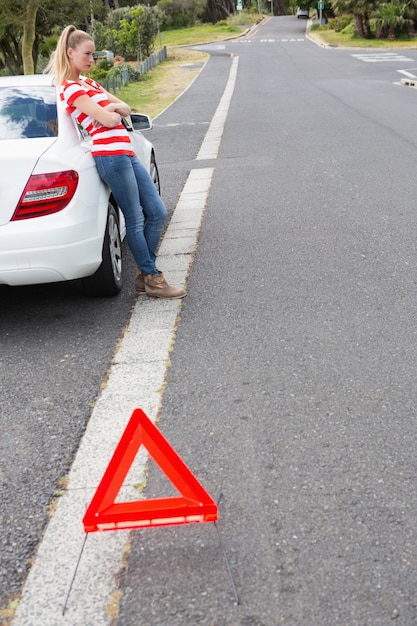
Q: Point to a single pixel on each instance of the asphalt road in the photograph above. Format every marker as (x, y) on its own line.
(291, 389)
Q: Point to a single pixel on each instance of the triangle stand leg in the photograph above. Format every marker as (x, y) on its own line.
(74, 575)
(229, 569)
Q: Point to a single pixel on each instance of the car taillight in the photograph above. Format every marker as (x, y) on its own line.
(45, 194)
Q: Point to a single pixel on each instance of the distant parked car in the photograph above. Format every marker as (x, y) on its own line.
(107, 55)
(303, 13)
(58, 221)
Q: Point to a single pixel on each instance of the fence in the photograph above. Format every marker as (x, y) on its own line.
(120, 80)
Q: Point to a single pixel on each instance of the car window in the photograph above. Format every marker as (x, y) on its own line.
(28, 112)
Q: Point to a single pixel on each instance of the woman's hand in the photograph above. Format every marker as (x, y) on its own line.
(119, 107)
(101, 115)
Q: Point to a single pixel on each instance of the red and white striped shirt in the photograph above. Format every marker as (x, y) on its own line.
(106, 141)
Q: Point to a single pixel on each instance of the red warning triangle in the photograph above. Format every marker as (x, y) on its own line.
(194, 504)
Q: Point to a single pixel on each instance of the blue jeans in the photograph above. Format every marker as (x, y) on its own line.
(144, 212)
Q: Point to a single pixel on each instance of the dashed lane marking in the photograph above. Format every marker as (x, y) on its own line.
(211, 143)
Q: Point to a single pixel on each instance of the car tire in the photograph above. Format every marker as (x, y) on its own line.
(153, 171)
(108, 279)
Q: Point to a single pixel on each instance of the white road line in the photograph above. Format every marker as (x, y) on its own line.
(175, 124)
(407, 73)
(238, 41)
(381, 57)
(136, 379)
(211, 143)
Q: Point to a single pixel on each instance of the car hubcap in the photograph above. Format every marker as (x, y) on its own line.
(154, 175)
(115, 248)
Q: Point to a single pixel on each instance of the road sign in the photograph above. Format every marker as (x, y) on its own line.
(193, 505)
(320, 5)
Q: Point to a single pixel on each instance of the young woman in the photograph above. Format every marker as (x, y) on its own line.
(100, 114)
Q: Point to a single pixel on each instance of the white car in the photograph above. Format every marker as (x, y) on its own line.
(58, 221)
(303, 13)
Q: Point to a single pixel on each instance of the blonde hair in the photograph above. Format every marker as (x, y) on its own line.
(59, 63)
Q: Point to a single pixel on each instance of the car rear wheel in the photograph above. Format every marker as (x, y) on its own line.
(108, 280)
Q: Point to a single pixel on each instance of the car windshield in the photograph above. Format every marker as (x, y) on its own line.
(28, 112)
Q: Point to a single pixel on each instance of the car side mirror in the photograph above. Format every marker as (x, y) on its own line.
(140, 121)
(137, 121)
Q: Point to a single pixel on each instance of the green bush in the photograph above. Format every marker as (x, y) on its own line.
(101, 74)
(48, 45)
(176, 14)
(118, 70)
(126, 28)
(98, 73)
(339, 23)
(104, 64)
(349, 30)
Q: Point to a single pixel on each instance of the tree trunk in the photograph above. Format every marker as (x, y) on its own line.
(10, 51)
(381, 32)
(358, 27)
(367, 26)
(391, 33)
(29, 34)
(279, 8)
(218, 10)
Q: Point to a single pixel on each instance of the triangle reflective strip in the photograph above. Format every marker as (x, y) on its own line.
(193, 505)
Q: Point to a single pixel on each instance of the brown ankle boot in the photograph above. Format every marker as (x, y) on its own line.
(157, 287)
(139, 282)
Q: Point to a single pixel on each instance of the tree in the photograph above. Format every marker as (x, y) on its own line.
(217, 10)
(25, 24)
(361, 11)
(181, 13)
(130, 31)
(29, 36)
(389, 17)
(411, 14)
(10, 37)
(106, 34)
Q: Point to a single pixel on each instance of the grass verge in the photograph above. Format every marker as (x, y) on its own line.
(164, 83)
(345, 40)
